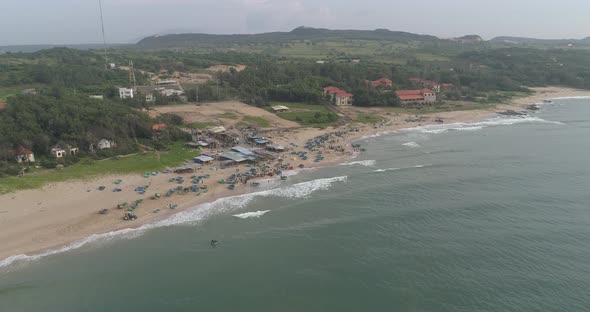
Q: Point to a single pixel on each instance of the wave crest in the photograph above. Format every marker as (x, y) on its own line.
(189, 216)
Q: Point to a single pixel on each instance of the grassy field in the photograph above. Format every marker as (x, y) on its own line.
(306, 114)
(368, 118)
(254, 121)
(200, 125)
(88, 168)
(227, 115)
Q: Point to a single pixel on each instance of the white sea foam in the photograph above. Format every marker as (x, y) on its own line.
(579, 97)
(190, 216)
(462, 126)
(378, 134)
(411, 145)
(366, 163)
(404, 168)
(253, 214)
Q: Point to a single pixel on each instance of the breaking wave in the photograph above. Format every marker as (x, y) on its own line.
(404, 168)
(366, 163)
(253, 214)
(190, 216)
(579, 97)
(461, 126)
(411, 145)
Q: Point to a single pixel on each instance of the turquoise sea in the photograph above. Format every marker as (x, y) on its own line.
(488, 216)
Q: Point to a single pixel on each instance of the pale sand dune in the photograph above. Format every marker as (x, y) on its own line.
(35, 220)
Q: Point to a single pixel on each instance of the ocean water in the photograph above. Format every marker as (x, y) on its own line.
(490, 216)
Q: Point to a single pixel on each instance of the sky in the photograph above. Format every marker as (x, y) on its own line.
(127, 21)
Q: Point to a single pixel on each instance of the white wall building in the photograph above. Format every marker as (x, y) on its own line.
(126, 93)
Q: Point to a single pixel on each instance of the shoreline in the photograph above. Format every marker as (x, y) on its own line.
(64, 216)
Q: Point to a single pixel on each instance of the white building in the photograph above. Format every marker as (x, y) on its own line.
(105, 144)
(22, 155)
(58, 152)
(126, 93)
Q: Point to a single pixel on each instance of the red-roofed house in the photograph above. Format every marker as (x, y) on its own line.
(338, 96)
(426, 83)
(422, 96)
(159, 127)
(383, 82)
(22, 154)
(2, 105)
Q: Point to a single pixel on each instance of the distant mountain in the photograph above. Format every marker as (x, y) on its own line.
(38, 47)
(547, 42)
(468, 39)
(300, 33)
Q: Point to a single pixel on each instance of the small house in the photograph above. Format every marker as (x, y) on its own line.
(159, 127)
(2, 105)
(58, 152)
(23, 155)
(203, 159)
(338, 96)
(280, 108)
(105, 144)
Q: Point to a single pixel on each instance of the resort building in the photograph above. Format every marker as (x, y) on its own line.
(422, 96)
(338, 96)
(383, 82)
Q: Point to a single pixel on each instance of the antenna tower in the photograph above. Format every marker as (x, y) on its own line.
(104, 40)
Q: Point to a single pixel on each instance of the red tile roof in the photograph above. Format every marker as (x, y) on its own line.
(332, 89)
(337, 91)
(412, 94)
(382, 82)
(158, 127)
(20, 151)
(410, 97)
(2, 105)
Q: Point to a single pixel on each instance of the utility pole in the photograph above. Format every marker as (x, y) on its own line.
(197, 93)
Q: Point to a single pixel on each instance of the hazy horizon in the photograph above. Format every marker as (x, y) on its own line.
(127, 21)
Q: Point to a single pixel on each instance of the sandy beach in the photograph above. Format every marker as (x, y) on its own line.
(33, 221)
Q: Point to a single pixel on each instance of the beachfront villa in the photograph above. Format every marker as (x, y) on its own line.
(383, 82)
(23, 155)
(338, 96)
(422, 96)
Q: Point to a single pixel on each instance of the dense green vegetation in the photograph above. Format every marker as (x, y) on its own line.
(287, 68)
(174, 155)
